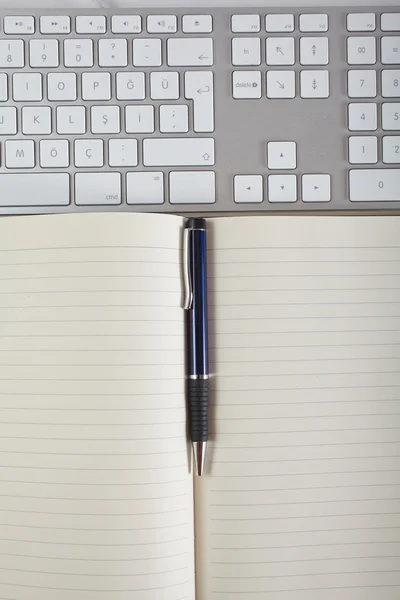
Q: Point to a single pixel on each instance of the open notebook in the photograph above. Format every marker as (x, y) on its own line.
(301, 500)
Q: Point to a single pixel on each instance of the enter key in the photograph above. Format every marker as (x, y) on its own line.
(199, 87)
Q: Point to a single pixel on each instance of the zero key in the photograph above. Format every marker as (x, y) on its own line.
(374, 185)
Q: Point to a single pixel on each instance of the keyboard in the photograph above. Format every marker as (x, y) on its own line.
(200, 110)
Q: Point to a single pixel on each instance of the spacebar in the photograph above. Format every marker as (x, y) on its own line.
(34, 189)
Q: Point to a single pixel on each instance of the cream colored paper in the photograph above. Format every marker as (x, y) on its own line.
(95, 495)
(302, 498)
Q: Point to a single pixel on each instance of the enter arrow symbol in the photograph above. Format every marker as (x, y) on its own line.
(204, 90)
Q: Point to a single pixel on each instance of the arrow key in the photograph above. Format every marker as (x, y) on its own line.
(316, 188)
(280, 51)
(281, 155)
(282, 188)
(281, 84)
(248, 188)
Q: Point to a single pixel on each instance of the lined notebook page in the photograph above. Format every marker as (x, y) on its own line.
(303, 498)
(95, 495)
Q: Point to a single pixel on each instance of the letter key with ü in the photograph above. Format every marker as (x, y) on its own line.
(245, 108)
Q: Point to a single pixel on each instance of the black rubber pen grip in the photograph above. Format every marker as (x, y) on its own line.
(198, 391)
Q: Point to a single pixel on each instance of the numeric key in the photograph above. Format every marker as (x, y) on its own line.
(11, 54)
(78, 53)
(363, 116)
(363, 149)
(391, 116)
(361, 84)
(391, 149)
(391, 83)
(43, 53)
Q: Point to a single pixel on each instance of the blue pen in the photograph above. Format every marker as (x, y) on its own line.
(195, 276)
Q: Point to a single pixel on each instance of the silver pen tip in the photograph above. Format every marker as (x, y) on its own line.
(199, 453)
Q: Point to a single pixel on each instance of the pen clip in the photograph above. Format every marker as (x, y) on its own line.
(187, 280)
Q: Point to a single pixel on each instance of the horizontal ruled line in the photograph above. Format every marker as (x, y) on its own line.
(286, 460)
(96, 528)
(97, 574)
(336, 530)
(92, 514)
(103, 247)
(314, 589)
(237, 577)
(302, 546)
(93, 484)
(300, 560)
(98, 590)
(91, 469)
(95, 545)
(308, 474)
(105, 560)
(287, 518)
(103, 276)
(296, 489)
(164, 497)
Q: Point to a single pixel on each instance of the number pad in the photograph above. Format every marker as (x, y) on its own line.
(363, 116)
(361, 50)
(391, 149)
(361, 84)
(391, 116)
(11, 54)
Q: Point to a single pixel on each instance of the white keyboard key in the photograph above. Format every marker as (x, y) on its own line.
(190, 52)
(45, 189)
(113, 53)
(3, 87)
(71, 119)
(317, 23)
(246, 51)
(391, 116)
(126, 24)
(199, 87)
(145, 187)
(11, 54)
(78, 53)
(105, 119)
(89, 153)
(197, 24)
(314, 84)
(139, 119)
(363, 116)
(245, 23)
(54, 154)
(246, 84)
(361, 22)
(361, 84)
(248, 188)
(19, 25)
(147, 52)
(122, 152)
(361, 50)
(281, 84)
(280, 51)
(282, 188)
(20, 154)
(391, 149)
(61, 86)
(174, 118)
(55, 25)
(363, 150)
(281, 155)
(390, 21)
(314, 51)
(279, 23)
(91, 24)
(391, 83)
(131, 86)
(43, 53)
(390, 50)
(316, 188)
(36, 120)
(164, 85)
(97, 188)
(192, 187)
(374, 185)
(8, 120)
(96, 86)
(27, 87)
(162, 24)
(179, 152)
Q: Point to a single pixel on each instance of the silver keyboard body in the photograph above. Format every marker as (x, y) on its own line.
(271, 135)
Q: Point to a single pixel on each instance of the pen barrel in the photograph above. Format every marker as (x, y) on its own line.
(197, 326)
(198, 392)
